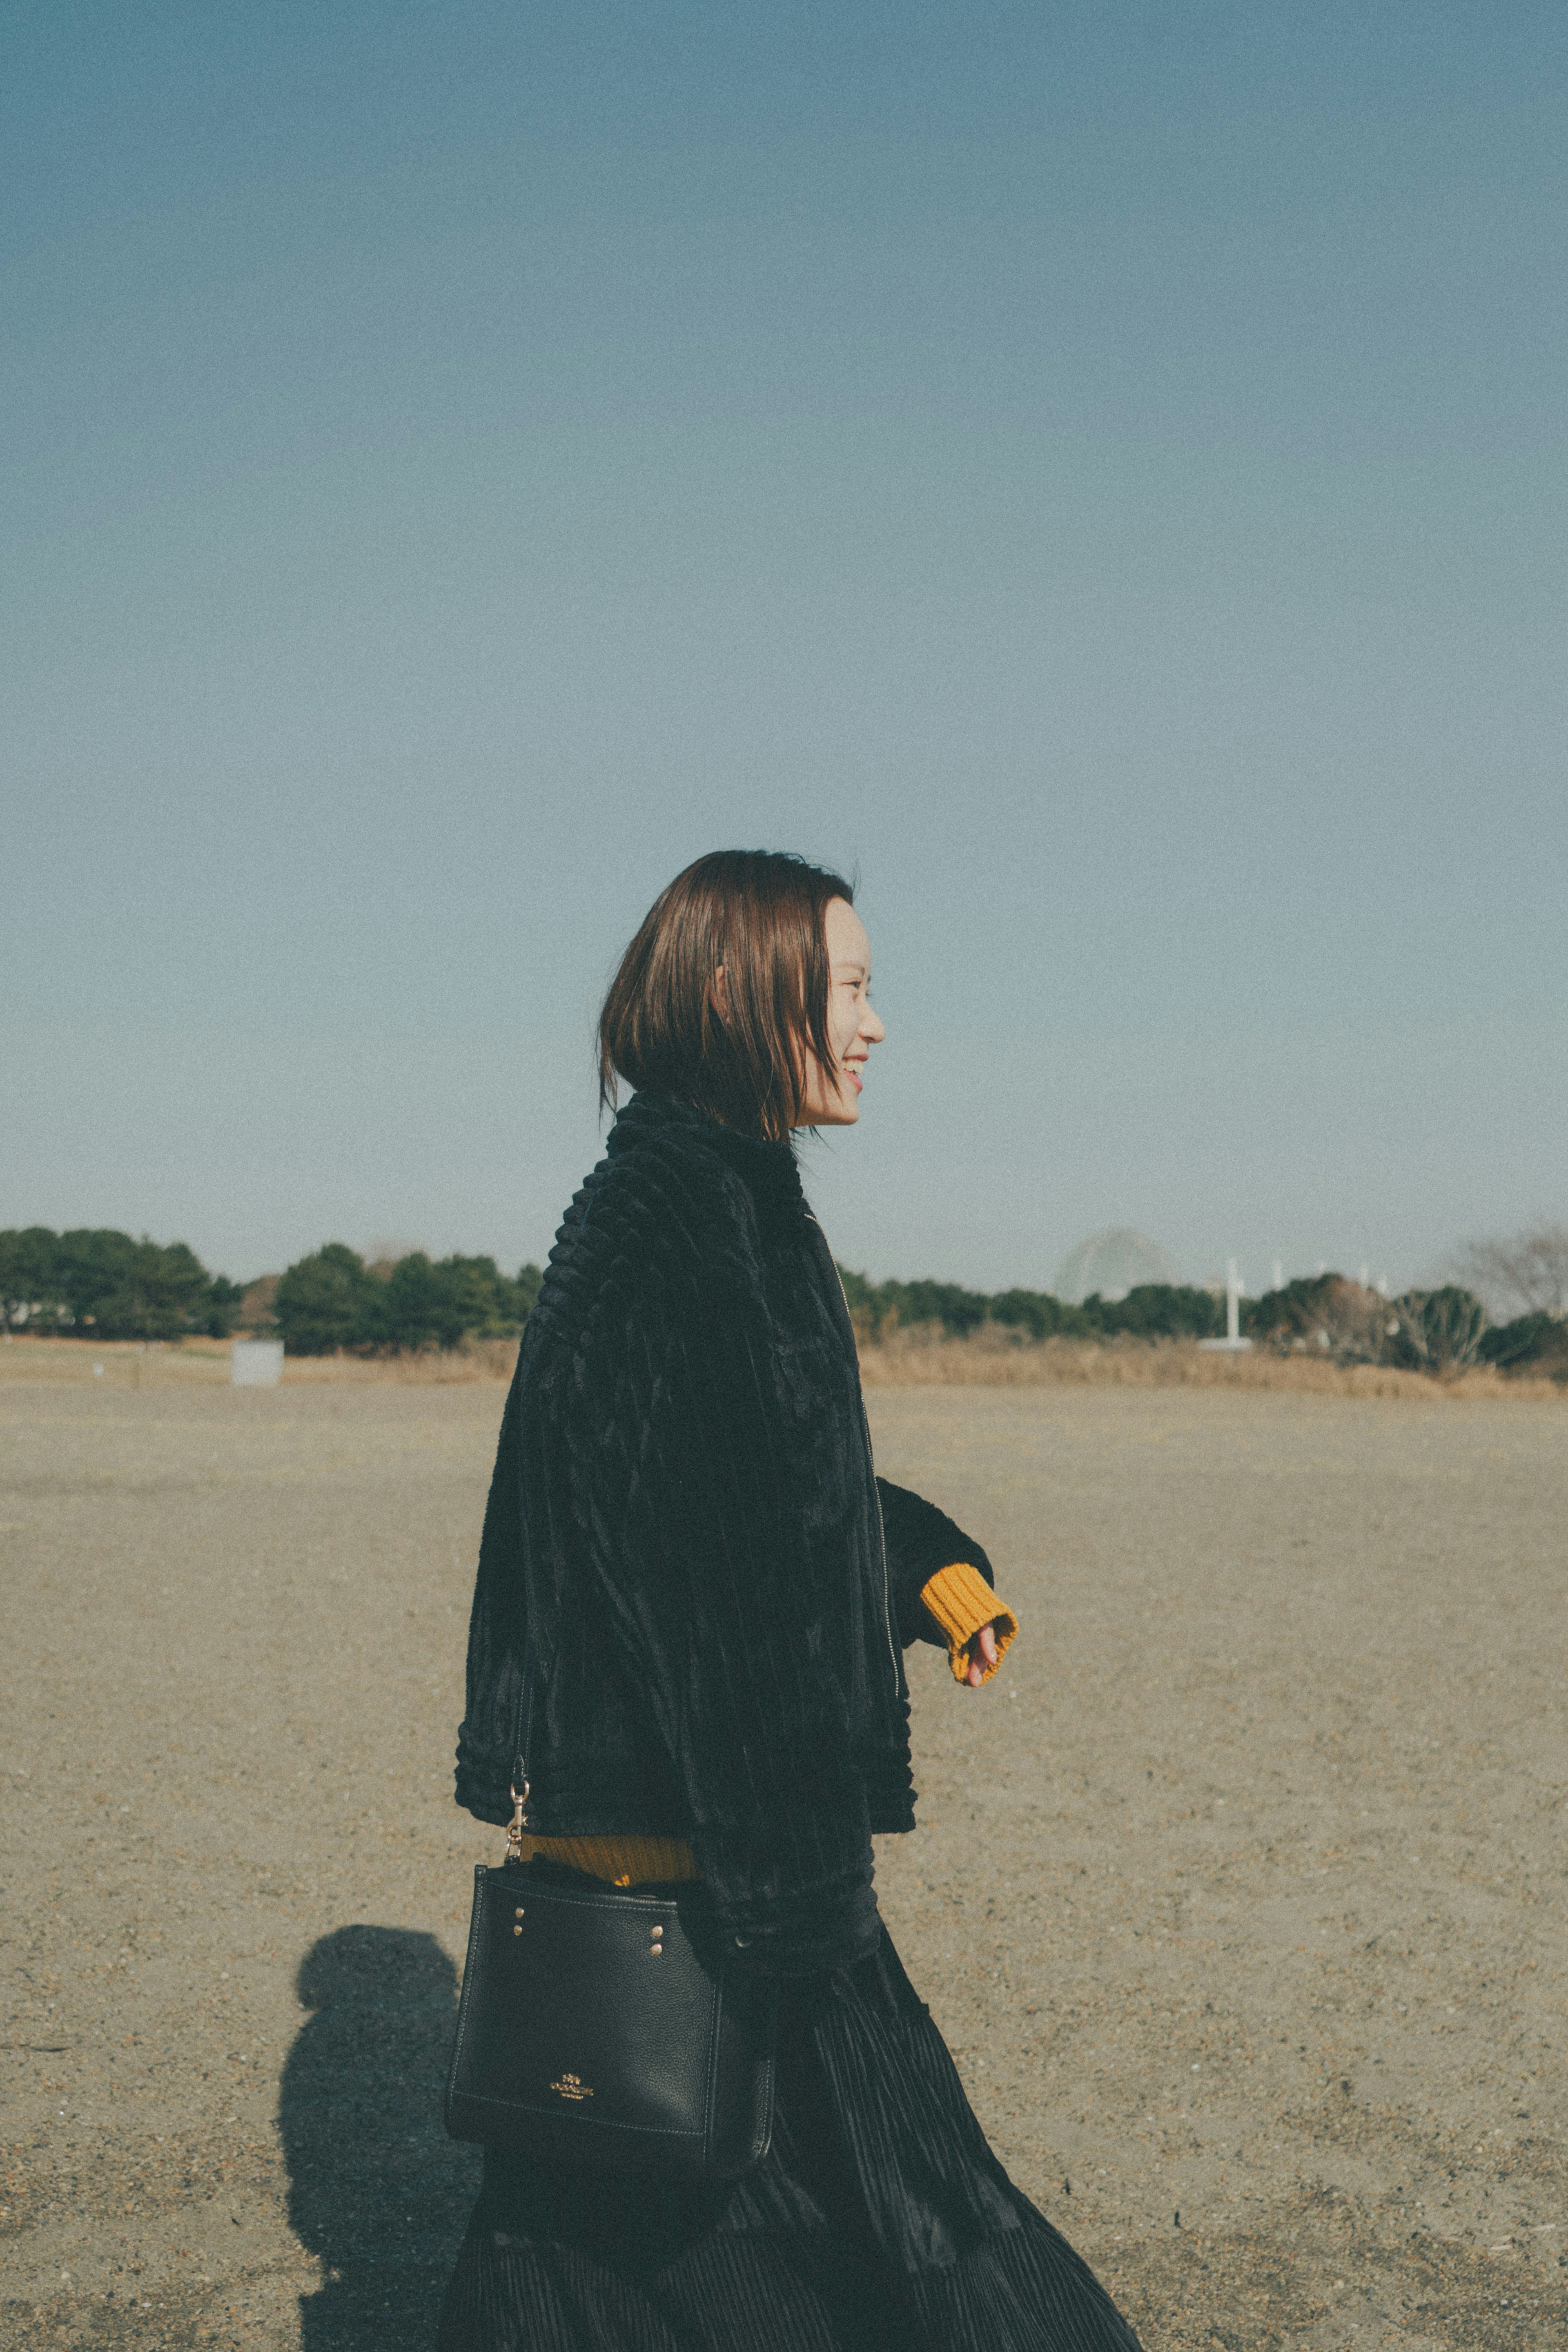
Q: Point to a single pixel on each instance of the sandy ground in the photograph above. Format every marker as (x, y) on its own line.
(1240, 1896)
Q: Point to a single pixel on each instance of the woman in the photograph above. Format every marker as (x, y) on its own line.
(715, 1589)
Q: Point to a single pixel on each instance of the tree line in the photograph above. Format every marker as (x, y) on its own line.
(106, 1286)
(92, 1283)
(333, 1301)
(1441, 1330)
(1156, 1310)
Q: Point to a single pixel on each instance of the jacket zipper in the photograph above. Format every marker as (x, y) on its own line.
(876, 1498)
(882, 1542)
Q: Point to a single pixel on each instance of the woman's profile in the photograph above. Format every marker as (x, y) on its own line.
(687, 1538)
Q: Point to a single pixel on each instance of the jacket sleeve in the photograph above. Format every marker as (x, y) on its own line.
(734, 1640)
(496, 1628)
(920, 1540)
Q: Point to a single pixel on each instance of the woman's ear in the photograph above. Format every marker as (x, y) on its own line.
(718, 991)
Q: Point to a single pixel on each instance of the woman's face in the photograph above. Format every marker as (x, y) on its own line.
(833, 1096)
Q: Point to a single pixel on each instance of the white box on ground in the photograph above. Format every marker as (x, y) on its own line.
(255, 1363)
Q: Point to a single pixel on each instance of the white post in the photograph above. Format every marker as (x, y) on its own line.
(1233, 1343)
(1279, 1275)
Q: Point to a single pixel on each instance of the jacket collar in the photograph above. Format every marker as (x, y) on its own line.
(768, 1170)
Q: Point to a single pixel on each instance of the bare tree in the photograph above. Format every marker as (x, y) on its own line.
(1524, 1274)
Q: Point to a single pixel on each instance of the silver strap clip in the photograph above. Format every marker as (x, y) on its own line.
(518, 1824)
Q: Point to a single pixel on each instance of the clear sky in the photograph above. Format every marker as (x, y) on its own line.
(1097, 471)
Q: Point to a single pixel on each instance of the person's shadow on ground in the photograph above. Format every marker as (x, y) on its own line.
(376, 2188)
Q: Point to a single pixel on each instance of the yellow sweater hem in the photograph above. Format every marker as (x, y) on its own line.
(622, 1861)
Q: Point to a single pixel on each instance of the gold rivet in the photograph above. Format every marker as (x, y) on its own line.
(657, 1949)
(519, 1912)
(516, 1931)
(658, 1932)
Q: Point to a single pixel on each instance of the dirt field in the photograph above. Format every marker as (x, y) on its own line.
(1240, 1896)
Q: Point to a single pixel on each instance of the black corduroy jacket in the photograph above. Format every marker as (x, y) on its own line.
(692, 1591)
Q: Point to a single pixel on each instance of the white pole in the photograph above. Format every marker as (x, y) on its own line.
(1279, 1275)
(1233, 1343)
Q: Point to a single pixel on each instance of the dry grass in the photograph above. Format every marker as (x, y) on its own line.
(186, 1363)
(472, 1360)
(916, 1359)
(924, 1359)
(121, 1363)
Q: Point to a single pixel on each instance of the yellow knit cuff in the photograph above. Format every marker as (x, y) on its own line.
(962, 1602)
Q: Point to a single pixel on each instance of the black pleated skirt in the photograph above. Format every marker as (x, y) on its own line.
(879, 2221)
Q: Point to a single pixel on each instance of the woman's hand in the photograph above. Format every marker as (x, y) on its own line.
(982, 1649)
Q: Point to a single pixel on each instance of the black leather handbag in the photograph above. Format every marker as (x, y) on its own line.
(600, 2026)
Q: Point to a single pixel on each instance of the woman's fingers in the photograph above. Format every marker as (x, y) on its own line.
(985, 1643)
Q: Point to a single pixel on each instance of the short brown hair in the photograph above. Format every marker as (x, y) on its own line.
(759, 913)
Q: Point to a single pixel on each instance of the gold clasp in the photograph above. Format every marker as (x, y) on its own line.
(518, 1824)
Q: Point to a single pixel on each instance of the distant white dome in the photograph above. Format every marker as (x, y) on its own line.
(1112, 1263)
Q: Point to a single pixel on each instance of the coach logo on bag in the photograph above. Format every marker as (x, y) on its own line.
(569, 2087)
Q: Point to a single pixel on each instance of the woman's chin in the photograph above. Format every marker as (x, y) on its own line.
(837, 1114)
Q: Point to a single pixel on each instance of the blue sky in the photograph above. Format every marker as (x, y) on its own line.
(1097, 473)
